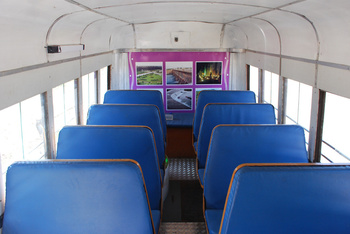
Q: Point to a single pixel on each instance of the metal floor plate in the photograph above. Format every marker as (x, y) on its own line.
(177, 227)
(182, 169)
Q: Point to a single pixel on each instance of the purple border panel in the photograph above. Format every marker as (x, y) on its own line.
(193, 57)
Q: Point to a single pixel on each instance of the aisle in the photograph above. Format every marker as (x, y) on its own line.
(182, 211)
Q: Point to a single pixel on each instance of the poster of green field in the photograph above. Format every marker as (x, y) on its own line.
(149, 73)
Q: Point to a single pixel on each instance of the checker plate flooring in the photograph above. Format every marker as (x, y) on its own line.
(182, 169)
(183, 227)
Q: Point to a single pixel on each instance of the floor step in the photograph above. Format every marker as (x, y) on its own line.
(182, 227)
(182, 169)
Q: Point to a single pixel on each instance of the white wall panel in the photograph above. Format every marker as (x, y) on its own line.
(298, 70)
(158, 35)
(92, 64)
(266, 62)
(334, 80)
(20, 86)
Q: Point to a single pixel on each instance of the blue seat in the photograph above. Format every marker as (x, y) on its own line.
(288, 199)
(76, 197)
(226, 113)
(138, 97)
(115, 142)
(218, 96)
(121, 114)
(233, 145)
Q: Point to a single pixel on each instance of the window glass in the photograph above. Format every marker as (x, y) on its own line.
(103, 83)
(22, 133)
(58, 109)
(271, 89)
(89, 93)
(298, 105)
(33, 129)
(267, 87)
(254, 81)
(11, 149)
(64, 106)
(292, 101)
(335, 143)
(92, 89)
(86, 101)
(70, 107)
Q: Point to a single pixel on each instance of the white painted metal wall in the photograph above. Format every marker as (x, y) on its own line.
(304, 40)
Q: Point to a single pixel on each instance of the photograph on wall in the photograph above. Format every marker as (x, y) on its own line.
(208, 73)
(160, 90)
(178, 73)
(201, 89)
(149, 73)
(179, 99)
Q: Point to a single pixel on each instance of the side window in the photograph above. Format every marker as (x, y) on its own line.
(22, 133)
(103, 83)
(64, 106)
(336, 126)
(298, 105)
(254, 81)
(271, 89)
(89, 93)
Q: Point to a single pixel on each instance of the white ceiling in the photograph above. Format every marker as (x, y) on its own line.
(302, 26)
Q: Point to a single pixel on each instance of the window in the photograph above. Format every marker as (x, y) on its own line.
(298, 105)
(22, 133)
(64, 106)
(254, 81)
(271, 89)
(89, 93)
(336, 126)
(103, 83)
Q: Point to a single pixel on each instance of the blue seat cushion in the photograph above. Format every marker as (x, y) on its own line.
(162, 174)
(213, 218)
(156, 219)
(195, 146)
(201, 176)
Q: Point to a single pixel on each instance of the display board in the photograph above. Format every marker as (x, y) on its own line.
(179, 76)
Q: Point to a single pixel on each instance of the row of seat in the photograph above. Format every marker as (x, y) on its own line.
(278, 191)
(80, 196)
(127, 131)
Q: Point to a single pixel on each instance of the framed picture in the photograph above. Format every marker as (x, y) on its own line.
(208, 73)
(179, 73)
(179, 99)
(149, 73)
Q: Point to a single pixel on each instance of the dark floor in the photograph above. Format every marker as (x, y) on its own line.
(182, 208)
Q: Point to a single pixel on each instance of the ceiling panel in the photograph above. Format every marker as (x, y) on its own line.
(298, 37)
(203, 12)
(332, 21)
(262, 3)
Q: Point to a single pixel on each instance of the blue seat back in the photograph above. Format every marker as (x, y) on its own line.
(289, 199)
(232, 145)
(218, 96)
(115, 142)
(76, 197)
(138, 97)
(145, 115)
(215, 114)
